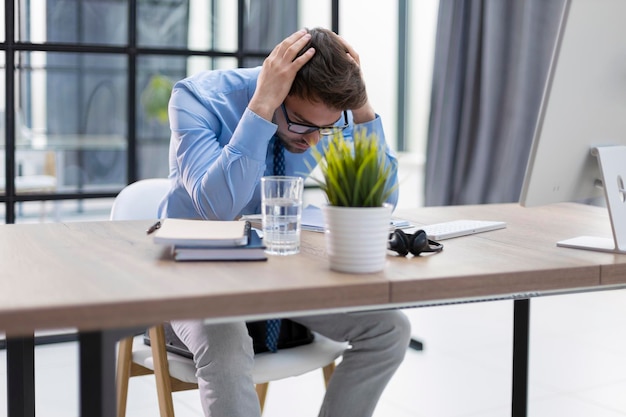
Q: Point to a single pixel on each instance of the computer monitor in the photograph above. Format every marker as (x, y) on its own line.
(579, 146)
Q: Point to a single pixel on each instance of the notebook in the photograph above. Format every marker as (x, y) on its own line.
(253, 251)
(203, 233)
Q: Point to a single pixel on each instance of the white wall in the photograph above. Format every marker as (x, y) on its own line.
(371, 27)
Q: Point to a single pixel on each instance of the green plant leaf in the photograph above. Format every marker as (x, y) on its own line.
(355, 173)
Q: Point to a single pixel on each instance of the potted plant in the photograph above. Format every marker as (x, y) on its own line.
(356, 183)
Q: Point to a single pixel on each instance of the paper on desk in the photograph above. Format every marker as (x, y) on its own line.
(313, 220)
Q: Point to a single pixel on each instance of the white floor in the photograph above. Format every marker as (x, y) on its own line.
(577, 366)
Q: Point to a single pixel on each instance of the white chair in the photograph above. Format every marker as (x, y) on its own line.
(140, 200)
(174, 372)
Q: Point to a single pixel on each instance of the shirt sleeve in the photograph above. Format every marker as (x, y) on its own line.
(219, 178)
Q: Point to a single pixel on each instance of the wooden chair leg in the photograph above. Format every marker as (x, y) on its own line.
(261, 392)
(124, 361)
(161, 371)
(162, 375)
(328, 372)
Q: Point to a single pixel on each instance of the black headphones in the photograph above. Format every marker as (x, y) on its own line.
(415, 243)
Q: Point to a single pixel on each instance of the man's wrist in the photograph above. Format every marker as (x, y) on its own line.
(363, 114)
(262, 109)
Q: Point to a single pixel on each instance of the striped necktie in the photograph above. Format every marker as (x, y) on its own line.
(272, 327)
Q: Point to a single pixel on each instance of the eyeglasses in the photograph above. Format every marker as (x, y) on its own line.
(303, 129)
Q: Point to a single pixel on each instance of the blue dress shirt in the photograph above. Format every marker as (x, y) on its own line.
(219, 148)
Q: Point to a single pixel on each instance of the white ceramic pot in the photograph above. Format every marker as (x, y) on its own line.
(356, 237)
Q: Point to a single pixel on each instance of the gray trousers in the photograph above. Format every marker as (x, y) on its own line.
(224, 359)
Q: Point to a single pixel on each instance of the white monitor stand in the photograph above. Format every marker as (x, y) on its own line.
(612, 163)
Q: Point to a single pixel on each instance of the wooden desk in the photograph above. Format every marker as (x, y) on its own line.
(521, 260)
(103, 276)
(98, 275)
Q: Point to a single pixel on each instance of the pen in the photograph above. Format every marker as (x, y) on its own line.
(153, 227)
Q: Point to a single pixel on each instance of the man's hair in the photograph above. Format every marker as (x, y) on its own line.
(331, 76)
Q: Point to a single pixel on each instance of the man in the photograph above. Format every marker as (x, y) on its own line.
(224, 128)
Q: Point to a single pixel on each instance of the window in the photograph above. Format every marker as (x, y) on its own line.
(90, 86)
(90, 79)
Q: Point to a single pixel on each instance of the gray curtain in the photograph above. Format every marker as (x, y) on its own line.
(268, 22)
(491, 63)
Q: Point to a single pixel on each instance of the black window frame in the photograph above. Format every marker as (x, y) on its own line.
(132, 51)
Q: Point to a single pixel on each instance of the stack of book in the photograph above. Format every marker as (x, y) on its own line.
(210, 240)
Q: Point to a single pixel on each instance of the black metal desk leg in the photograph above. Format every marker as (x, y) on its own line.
(21, 376)
(97, 374)
(521, 322)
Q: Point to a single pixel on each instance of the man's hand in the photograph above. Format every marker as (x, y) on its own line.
(278, 72)
(366, 112)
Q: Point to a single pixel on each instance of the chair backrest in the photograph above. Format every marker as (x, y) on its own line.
(140, 200)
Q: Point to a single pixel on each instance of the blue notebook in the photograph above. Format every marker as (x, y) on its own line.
(253, 251)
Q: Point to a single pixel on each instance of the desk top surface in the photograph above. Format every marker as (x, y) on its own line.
(98, 275)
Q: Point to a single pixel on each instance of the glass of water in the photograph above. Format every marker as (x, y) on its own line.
(281, 210)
